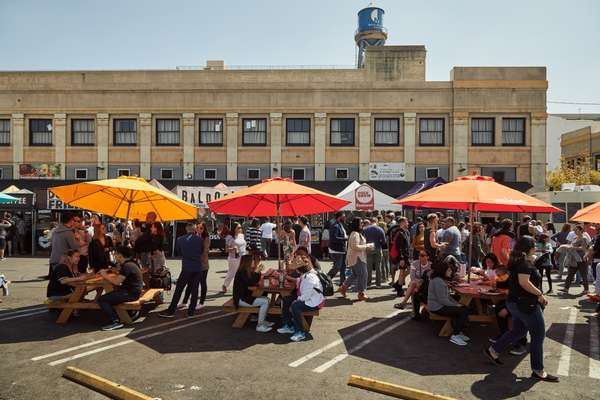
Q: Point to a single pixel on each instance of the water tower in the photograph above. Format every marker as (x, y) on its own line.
(370, 31)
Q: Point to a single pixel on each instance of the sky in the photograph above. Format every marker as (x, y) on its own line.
(564, 36)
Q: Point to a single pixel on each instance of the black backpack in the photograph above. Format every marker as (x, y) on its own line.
(161, 279)
(326, 283)
(422, 293)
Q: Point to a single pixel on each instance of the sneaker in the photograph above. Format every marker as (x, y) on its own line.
(493, 339)
(298, 336)
(490, 356)
(199, 307)
(263, 328)
(167, 315)
(268, 323)
(286, 330)
(464, 337)
(400, 306)
(518, 351)
(545, 377)
(457, 340)
(113, 326)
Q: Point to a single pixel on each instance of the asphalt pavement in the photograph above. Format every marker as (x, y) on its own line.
(204, 357)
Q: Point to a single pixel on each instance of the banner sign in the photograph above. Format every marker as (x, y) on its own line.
(39, 171)
(387, 172)
(201, 195)
(364, 197)
(54, 203)
(26, 201)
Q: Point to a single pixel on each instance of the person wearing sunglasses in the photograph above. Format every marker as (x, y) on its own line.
(418, 269)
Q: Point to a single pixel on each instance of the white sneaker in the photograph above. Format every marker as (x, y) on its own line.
(263, 328)
(457, 340)
(286, 330)
(268, 323)
(464, 337)
(199, 307)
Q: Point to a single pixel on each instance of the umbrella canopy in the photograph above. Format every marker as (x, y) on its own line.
(276, 197)
(126, 197)
(479, 193)
(588, 214)
(4, 198)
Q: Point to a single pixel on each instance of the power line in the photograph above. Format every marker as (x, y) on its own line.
(574, 103)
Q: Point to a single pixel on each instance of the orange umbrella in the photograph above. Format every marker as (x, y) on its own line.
(477, 193)
(588, 214)
(276, 197)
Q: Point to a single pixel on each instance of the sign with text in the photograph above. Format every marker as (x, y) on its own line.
(387, 172)
(201, 195)
(26, 201)
(54, 203)
(364, 197)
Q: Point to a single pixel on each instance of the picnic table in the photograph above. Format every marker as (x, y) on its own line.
(77, 301)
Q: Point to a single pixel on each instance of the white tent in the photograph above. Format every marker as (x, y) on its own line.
(383, 202)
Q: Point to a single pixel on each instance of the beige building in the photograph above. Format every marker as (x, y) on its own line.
(581, 145)
(220, 124)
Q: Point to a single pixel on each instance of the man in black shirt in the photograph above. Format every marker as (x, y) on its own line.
(128, 284)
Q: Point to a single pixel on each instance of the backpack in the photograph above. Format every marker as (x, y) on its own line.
(422, 293)
(326, 283)
(161, 279)
(394, 253)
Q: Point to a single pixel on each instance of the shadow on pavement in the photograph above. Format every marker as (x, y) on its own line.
(580, 343)
(501, 385)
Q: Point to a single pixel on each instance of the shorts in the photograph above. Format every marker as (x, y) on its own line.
(2, 243)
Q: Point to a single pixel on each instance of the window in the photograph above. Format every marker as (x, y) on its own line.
(431, 132)
(81, 173)
(432, 173)
(124, 132)
(166, 173)
(341, 173)
(342, 132)
(498, 176)
(83, 132)
(210, 174)
(387, 132)
(482, 131)
(123, 172)
(297, 132)
(253, 174)
(211, 132)
(513, 131)
(4, 132)
(254, 132)
(40, 132)
(167, 132)
(298, 174)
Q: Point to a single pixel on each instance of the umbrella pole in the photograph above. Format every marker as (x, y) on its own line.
(470, 244)
(278, 223)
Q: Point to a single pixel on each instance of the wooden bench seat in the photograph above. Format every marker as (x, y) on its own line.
(245, 312)
(446, 328)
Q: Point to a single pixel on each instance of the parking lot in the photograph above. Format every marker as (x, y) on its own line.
(204, 357)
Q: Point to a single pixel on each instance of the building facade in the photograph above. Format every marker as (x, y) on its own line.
(569, 138)
(580, 146)
(218, 124)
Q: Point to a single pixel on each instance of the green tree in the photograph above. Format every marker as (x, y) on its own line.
(578, 170)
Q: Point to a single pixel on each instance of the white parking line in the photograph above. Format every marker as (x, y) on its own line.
(594, 349)
(13, 312)
(23, 315)
(331, 345)
(342, 356)
(564, 362)
(95, 342)
(135, 339)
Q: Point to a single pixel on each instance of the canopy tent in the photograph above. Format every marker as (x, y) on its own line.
(11, 189)
(423, 186)
(381, 202)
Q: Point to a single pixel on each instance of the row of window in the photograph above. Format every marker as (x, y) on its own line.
(254, 132)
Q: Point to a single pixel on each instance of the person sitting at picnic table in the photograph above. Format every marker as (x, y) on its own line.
(303, 252)
(418, 268)
(99, 249)
(63, 275)
(128, 285)
(246, 277)
(440, 302)
(309, 298)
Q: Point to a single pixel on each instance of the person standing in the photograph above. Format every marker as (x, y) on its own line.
(525, 302)
(452, 238)
(501, 242)
(305, 237)
(287, 238)
(235, 244)
(338, 239)
(375, 235)
(357, 260)
(81, 234)
(418, 240)
(63, 240)
(253, 236)
(21, 232)
(580, 248)
(202, 232)
(266, 236)
(4, 227)
(191, 248)
(99, 249)
(401, 254)
(431, 243)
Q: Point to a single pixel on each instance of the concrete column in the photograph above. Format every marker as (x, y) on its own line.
(410, 135)
(17, 140)
(320, 145)
(538, 151)
(231, 129)
(364, 143)
(460, 144)
(59, 133)
(145, 143)
(189, 144)
(275, 125)
(102, 143)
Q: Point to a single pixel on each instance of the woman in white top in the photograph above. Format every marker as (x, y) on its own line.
(356, 259)
(235, 244)
(305, 236)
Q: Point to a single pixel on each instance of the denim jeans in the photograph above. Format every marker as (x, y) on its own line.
(339, 265)
(292, 310)
(374, 263)
(265, 245)
(523, 323)
(358, 277)
(108, 300)
(263, 307)
(203, 288)
(189, 279)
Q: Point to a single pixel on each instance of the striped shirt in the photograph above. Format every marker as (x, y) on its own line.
(253, 236)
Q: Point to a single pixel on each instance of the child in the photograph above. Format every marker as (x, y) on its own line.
(543, 262)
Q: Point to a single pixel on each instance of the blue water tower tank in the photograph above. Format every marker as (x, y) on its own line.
(370, 32)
